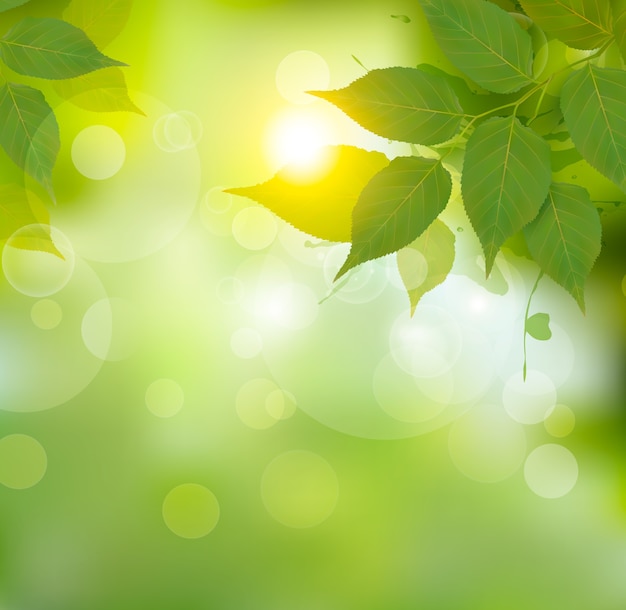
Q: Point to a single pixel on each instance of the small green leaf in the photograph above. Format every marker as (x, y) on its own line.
(320, 201)
(101, 20)
(483, 41)
(403, 18)
(538, 326)
(36, 237)
(396, 207)
(52, 49)
(402, 104)
(29, 132)
(5, 5)
(506, 177)
(566, 237)
(582, 24)
(101, 91)
(594, 106)
(426, 262)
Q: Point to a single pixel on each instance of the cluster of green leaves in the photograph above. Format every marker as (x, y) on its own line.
(508, 119)
(65, 51)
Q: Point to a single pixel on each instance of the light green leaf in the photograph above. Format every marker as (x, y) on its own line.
(52, 49)
(36, 237)
(403, 104)
(506, 176)
(426, 262)
(403, 18)
(582, 24)
(101, 20)
(483, 41)
(319, 201)
(29, 132)
(396, 207)
(593, 101)
(538, 326)
(101, 91)
(619, 25)
(5, 5)
(566, 238)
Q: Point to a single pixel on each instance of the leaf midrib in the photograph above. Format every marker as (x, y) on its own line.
(584, 18)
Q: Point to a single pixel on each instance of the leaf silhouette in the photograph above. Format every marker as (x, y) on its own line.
(28, 132)
(319, 202)
(538, 326)
(404, 104)
(483, 41)
(52, 49)
(566, 237)
(397, 206)
(101, 20)
(506, 177)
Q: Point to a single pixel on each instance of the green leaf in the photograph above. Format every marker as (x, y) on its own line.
(619, 25)
(320, 201)
(560, 159)
(582, 24)
(566, 237)
(538, 326)
(5, 5)
(101, 20)
(52, 49)
(426, 262)
(402, 104)
(29, 132)
(101, 91)
(403, 18)
(36, 237)
(396, 207)
(594, 106)
(506, 176)
(483, 41)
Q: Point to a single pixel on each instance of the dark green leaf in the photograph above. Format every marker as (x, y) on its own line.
(594, 106)
(483, 41)
(619, 25)
(101, 20)
(28, 132)
(320, 201)
(560, 159)
(402, 104)
(538, 326)
(427, 261)
(51, 48)
(5, 5)
(566, 237)
(582, 24)
(506, 176)
(396, 207)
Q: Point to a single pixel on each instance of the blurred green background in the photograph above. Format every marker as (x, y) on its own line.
(184, 424)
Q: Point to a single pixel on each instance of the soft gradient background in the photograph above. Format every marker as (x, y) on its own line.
(184, 426)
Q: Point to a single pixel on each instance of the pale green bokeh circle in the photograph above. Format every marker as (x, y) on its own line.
(164, 398)
(551, 471)
(299, 72)
(254, 228)
(46, 314)
(23, 461)
(255, 404)
(246, 343)
(191, 510)
(299, 489)
(98, 152)
(559, 421)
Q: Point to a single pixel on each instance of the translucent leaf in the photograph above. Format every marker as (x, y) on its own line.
(619, 25)
(582, 24)
(483, 41)
(403, 18)
(101, 91)
(5, 5)
(594, 106)
(29, 132)
(426, 262)
(396, 207)
(506, 177)
(319, 201)
(566, 237)
(36, 237)
(51, 48)
(402, 104)
(101, 20)
(538, 326)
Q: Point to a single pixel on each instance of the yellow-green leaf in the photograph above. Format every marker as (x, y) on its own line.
(5, 5)
(101, 20)
(619, 25)
(319, 200)
(538, 327)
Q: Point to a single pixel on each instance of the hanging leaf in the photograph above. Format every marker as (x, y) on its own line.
(619, 25)
(28, 132)
(506, 176)
(582, 24)
(319, 201)
(403, 18)
(402, 104)
(52, 49)
(566, 237)
(538, 327)
(101, 91)
(396, 207)
(426, 262)
(36, 237)
(101, 20)
(5, 5)
(594, 106)
(483, 41)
